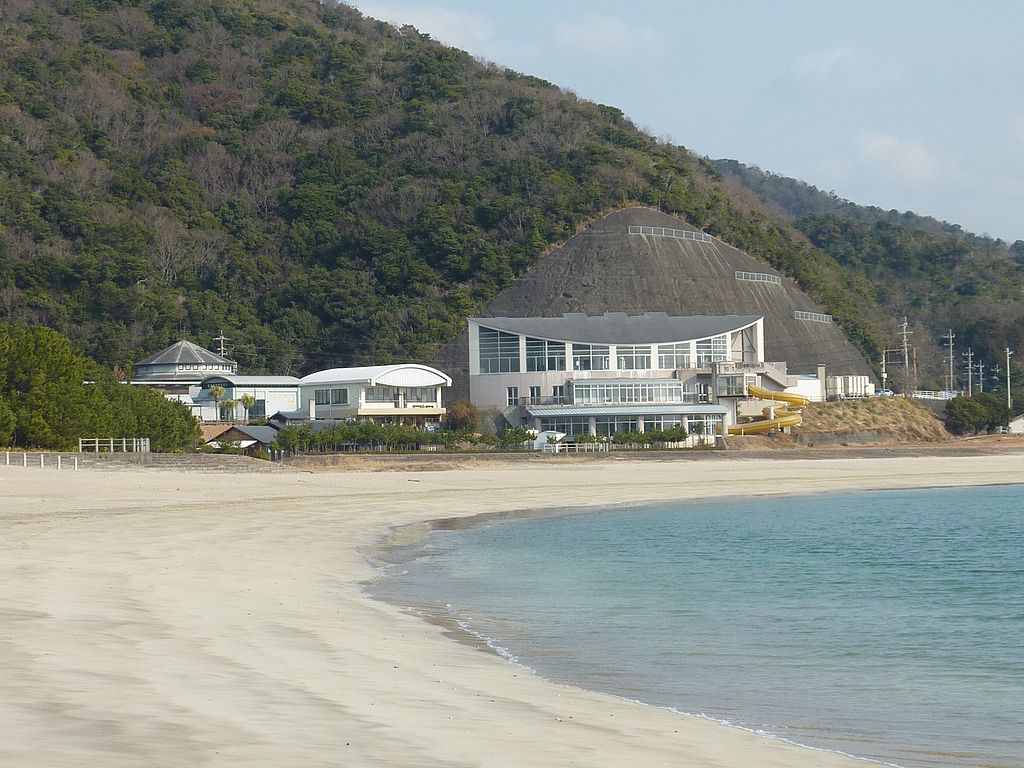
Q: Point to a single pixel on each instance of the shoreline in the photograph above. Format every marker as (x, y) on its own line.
(220, 620)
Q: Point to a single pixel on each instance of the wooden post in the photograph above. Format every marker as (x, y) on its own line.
(41, 457)
(58, 462)
(24, 459)
(76, 463)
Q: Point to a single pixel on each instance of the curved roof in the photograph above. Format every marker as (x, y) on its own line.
(620, 328)
(398, 375)
(187, 353)
(251, 381)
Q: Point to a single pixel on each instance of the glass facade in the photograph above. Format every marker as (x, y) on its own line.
(667, 391)
(633, 357)
(712, 350)
(570, 425)
(544, 355)
(607, 426)
(499, 351)
(672, 356)
(590, 357)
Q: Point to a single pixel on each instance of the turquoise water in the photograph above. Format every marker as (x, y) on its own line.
(888, 625)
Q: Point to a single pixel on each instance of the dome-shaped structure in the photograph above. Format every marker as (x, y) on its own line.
(641, 260)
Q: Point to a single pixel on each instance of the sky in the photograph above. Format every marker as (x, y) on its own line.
(908, 104)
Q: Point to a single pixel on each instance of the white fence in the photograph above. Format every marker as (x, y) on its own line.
(929, 394)
(113, 445)
(815, 317)
(40, 460)
(759, 277)
(679, 234)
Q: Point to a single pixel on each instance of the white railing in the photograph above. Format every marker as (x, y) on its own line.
(759, 277)
(679, 234)
(814, 317)
(574, 447)
(113, 445)
(931, 394)
(56, 461)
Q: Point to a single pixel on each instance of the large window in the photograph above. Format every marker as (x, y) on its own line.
(421, 394)
(339, 397)
(558, 393)
(499, 351)
(512, 395)
(544, 355)
(712, 350)
(380, 394)
(590, 357)
(607, 426)
(662, 422)
(570, 425)
(633, 358)
(667, 391)
(322, 396)
(671, 356)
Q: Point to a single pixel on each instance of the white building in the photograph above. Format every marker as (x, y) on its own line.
(269, 393)
(610, 373)
(406, 393)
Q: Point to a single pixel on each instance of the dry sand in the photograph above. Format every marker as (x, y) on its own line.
(158, 619)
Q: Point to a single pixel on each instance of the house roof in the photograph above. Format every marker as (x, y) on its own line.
(618, 327)
(398, 375)
(265, 435)
(185, 352)
(290, 416)
(251, 381)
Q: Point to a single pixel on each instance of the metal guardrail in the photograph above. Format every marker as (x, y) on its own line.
(113, 445)
(814, 317)
(759, 277)
(679, 234)
(930, 394)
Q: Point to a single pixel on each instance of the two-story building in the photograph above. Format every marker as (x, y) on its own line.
(602, 374)
(403, 393)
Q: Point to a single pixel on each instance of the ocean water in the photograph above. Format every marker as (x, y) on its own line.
(887, 625)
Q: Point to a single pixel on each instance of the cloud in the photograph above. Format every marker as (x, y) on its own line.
(472, 32)
(907, 161)
(606, 40)
(847, 69)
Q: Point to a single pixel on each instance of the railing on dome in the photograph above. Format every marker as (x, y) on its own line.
(759, 277)
(679, 234)
(814, 317)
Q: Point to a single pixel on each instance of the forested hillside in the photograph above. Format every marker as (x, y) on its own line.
(933, 272)
(325, 189)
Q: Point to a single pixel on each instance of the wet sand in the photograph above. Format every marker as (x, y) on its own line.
(161, 619)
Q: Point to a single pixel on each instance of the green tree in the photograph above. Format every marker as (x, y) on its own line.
(965, 415)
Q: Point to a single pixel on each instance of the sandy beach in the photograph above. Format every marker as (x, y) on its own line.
(163, 619)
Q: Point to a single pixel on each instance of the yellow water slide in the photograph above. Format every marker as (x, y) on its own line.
(774, 418)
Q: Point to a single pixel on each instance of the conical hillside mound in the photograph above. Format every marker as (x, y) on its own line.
(614, 266)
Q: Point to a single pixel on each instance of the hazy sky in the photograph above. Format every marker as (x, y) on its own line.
(910, 105)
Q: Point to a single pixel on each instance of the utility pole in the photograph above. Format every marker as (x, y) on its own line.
(906, 347)
(1009, 398)
(969, 354)
(981, 376)
(222, 338)
(949, 337)
(884, 374)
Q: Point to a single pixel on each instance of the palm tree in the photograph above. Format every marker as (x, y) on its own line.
(247, 401)
(217, 392)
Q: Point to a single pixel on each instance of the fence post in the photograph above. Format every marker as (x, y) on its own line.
(58, 462)
(42, 456)
(24, 459)
(76, 463)
(8, 457)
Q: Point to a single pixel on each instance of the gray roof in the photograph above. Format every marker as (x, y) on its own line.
(265, 435)
(619, 328)
(251, 381)
(291, 416)
(185, 352)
